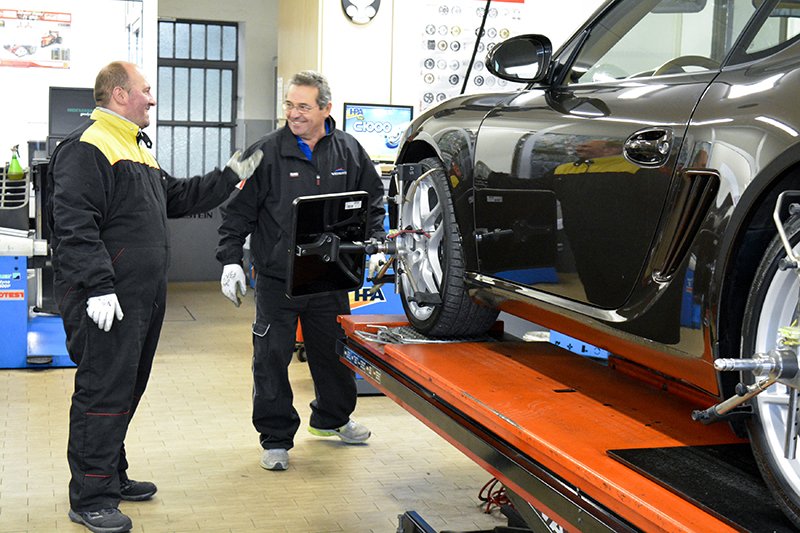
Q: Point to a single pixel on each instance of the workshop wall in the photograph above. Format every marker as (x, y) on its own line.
(379, 62)
(258, 49)
(24, 89)
(357, 58)
(411, 18)
(194, 239)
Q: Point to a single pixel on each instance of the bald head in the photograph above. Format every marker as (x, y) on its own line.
(121, 87)
(112, 75)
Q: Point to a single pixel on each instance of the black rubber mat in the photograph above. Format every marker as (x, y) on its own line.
(723, 480)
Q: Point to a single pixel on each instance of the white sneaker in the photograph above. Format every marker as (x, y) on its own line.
(351, 433)
(275, 459)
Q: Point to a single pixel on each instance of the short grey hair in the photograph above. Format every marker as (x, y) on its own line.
(310, 78)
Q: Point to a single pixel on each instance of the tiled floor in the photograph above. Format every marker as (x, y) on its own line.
(192, 436)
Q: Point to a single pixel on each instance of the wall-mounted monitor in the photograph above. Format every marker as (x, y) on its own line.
(69, 108)
(377, 127)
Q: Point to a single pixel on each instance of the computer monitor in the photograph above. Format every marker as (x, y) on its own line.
(69, 108)
(377, 127)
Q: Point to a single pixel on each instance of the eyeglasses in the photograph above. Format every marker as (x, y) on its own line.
(301, 108)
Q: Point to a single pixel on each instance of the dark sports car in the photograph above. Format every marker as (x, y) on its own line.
(625, 196)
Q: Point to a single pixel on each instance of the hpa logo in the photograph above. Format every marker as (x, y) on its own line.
(362, 297)
(354, 112)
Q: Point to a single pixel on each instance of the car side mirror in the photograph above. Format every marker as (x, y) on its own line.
(523, 58)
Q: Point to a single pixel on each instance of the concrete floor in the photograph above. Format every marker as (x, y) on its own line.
(192, 436)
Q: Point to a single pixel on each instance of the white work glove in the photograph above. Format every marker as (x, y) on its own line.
(103, 309)
(244, 168)
(376, 261)
(233, 283)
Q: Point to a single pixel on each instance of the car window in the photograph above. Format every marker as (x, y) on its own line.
(643, 38)
(780, 27)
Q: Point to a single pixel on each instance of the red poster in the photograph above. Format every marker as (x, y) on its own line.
(34, 38)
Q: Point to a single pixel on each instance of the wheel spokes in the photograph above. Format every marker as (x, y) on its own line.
(433, 246)
(790, 439)
(432, 221)
(426, 215)
(421, 251)
(781, 399)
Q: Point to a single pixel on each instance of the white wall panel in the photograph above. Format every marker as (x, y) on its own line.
(98, 35)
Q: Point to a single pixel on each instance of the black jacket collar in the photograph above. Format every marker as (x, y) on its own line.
(288, 141)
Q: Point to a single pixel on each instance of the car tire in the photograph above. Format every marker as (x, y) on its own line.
(432, 264)
(771, 304)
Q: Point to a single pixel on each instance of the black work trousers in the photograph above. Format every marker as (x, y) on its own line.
(113, 369)
(274, 333)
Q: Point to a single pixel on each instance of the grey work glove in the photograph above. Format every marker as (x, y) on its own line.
(244, 168)
(233, 283)
(376, 261)
(103, 309)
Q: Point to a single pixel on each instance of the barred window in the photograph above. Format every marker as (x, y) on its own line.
(197, 71)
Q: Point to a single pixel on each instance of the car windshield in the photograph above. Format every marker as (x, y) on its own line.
(642, 38)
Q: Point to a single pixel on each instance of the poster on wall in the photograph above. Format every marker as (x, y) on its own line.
(34, 38)
(448, 37)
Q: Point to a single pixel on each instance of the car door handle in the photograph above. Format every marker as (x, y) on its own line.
(649, 147)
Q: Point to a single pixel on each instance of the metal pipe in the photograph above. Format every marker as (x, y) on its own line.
(781, 232)
(758, 365)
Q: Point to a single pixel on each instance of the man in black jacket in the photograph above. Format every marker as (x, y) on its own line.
(108, 221)
(308, 156)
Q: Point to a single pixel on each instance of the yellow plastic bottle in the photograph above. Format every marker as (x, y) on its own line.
(15, 171)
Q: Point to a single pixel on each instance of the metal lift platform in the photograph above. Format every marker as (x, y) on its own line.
(579, 445)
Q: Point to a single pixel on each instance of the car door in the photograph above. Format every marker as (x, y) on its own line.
(572, 176)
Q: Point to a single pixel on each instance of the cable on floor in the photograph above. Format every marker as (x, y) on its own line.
(493, 494)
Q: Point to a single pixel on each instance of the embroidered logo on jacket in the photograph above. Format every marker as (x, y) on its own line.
(294, 175)
(339, 172)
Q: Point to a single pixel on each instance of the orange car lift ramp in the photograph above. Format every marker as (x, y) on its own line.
(588, 446)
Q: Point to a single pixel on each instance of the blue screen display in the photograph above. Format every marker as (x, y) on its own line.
(378, 128)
